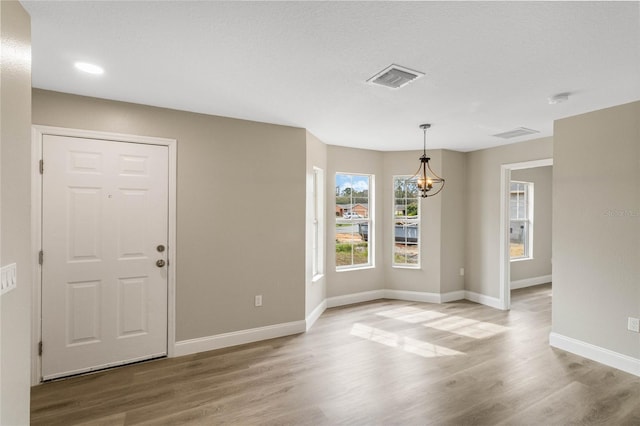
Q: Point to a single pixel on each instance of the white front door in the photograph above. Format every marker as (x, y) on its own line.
(104, 238)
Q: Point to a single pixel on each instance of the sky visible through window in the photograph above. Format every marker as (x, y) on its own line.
(356, 182)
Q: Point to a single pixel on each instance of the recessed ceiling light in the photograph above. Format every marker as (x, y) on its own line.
(89, 68)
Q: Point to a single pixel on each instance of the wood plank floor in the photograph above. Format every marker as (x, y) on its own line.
(378, 363)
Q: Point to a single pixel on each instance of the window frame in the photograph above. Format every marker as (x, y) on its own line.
(528, 220)
(417, 221)
(317, 224)
(369, 220)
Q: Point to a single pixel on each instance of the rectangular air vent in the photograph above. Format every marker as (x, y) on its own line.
(395, 76)
(520, 131)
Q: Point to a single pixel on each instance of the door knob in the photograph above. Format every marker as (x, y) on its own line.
(160, 263)
(160, 248)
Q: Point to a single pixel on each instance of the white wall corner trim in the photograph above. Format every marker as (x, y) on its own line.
(315, 314)
(528, 282)
(349, 299)
(492, 302)
(234, 338)
(596, 353)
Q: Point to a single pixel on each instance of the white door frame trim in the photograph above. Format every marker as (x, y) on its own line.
(37, 134)
(505, 261)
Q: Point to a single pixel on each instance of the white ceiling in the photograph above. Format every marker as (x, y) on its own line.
(490, 66)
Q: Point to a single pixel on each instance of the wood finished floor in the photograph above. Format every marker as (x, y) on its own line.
(378, 363)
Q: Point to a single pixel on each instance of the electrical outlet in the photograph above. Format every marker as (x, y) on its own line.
(633, 324)
(8, 278)
(258, 300)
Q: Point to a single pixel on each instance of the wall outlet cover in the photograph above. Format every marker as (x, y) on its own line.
(633, 324)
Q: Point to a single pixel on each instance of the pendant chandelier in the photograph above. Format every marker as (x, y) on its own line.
(429, 183)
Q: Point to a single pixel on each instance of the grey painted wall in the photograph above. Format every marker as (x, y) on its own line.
(351, 160)
(15, 224)
(596, 224)
(483, 209)
(540, 265)
(442, 228)
(427, 278)
(241, 201)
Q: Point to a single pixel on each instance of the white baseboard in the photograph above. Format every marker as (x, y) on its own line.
(452, 296)
(420, 296)
(528, 282)
(483, 299)
(315, 314)
(596, 353)
(349, 299)
(412, 296)
(209, 343)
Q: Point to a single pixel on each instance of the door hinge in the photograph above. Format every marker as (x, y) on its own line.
(41, 166)
(40, 348)
(40, 257)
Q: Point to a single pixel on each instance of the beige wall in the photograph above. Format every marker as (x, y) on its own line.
(316, 290)
(15, 225)
(540, 265)
(427, 278)
(453, 222)
(239, 186)
(596, 223)
(442, 228)
(483, 210)
(350, 160)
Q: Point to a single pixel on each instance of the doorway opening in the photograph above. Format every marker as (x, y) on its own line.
(517, 236)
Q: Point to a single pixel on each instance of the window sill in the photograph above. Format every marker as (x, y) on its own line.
(520, 259)
(406, 267)
(356, 268)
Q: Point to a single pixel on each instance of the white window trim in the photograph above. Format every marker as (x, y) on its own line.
(370, 220)
(529, 220)
(318, 224)
(393, 229)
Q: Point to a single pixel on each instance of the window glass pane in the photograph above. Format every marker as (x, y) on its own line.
(317, 266)
(520, 222)
(406, 227)
(353, 220)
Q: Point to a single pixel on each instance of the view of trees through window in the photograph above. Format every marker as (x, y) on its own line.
(354, 230)
(406, 224)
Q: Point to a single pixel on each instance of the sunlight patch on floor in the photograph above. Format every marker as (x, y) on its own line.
(407, 344)
(411, 315)
(467, 327)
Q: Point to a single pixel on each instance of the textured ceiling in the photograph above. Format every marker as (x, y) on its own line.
(490, 66)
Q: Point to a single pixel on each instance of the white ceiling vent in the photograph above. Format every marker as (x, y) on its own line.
(395, 76)
(520, 131)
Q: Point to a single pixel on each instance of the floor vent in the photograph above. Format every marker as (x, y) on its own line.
(520, 131)
(395, 76)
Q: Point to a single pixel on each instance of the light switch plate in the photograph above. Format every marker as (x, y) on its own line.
(8, 278)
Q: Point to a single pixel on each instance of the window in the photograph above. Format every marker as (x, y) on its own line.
(406, 223)
(521, 220)
(354, 225)
(317, 262)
